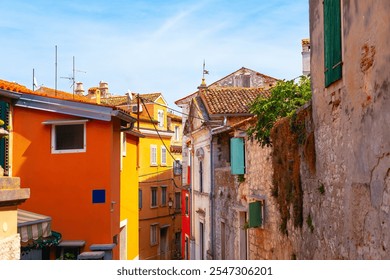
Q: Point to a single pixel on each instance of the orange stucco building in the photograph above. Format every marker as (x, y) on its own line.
(68, 153)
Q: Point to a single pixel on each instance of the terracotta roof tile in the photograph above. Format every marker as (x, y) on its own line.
(115, 100)
(50, 92)
(15, 87)
(230, 100)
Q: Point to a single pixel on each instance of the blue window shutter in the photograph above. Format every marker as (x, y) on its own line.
(237, 155)
(332, 41)
(255, 214)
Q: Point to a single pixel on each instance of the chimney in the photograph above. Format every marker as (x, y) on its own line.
(306, 57)
(97, 95)
(103, 86)
(79, 88)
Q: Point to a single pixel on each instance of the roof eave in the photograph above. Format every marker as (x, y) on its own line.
(10, 94)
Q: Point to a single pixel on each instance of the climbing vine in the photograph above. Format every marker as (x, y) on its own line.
(285, 98)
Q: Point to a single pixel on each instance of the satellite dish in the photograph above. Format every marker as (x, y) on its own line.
(130, 94)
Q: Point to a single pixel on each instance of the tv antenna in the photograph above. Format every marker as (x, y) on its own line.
(73, 77)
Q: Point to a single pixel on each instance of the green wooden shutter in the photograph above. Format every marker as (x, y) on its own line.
(255, 214)
(237, 156)
(4, 153)
(332, 41)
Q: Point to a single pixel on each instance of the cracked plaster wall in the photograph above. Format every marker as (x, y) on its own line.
(352, 131)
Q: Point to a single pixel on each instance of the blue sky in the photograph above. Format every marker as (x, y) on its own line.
(149, 46)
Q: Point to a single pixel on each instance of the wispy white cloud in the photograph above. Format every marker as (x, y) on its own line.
(145, 47)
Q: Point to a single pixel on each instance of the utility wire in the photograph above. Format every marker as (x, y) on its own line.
(158, 133)
(166, 106)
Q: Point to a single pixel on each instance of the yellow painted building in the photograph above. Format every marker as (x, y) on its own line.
(129, 238)
(156, 142)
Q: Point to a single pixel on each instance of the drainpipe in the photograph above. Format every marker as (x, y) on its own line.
(212, 197)
(212, 233)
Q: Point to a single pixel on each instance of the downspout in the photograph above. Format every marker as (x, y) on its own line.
(212, 197)
(212, 233)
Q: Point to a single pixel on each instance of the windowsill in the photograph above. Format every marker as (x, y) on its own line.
(76, 151)
(153, 207)
(154, 165)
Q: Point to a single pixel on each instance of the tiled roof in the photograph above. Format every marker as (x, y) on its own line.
(174, 117)
(120, 100)
(115, 100)
(267, 80)
(150, 96)
(230, 100)
(15, 87)
(50, 92)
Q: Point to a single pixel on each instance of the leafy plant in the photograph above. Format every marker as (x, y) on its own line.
(241, 178)
(285, 98)
(321, 189)
(309, 223)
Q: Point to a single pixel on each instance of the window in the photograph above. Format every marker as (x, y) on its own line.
(177, 201)
(177, 168)
(237, 155)
(153, 155)
(246, 80)
(256, 212)
(68, 137)
(187, 205)
(153, 198)
(332, 41)
(187, 248)
(200, 176)
(160, 114)
(153, 234)
(201, 240)
(124, 150)
(163, 156)
(4, 142)
(140, 199)
(163, 196)
(176, 137)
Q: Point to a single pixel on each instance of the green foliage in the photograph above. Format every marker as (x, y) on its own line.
(309, 223)
(241, 178)
(286, 97)
(321, 189)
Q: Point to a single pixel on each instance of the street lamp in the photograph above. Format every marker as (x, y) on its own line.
(170, 205)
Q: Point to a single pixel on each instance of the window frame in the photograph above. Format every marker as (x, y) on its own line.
(153, 234)
(56, 123)
(153, 155)
(163, 158)
(176, 133)
(124, 143)
(187, 206)
(139, 198)
(164, 196)
(177, 201)
(153, 200)
(160, 117)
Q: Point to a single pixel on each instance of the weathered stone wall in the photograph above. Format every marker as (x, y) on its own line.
(10, 248)
(348, 198)
(265, 242)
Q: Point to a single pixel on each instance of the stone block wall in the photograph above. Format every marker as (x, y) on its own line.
(10, 248)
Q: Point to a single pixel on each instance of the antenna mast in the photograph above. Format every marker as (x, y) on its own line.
(73, 78)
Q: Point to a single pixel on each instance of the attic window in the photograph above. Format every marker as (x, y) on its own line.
(246, 81)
